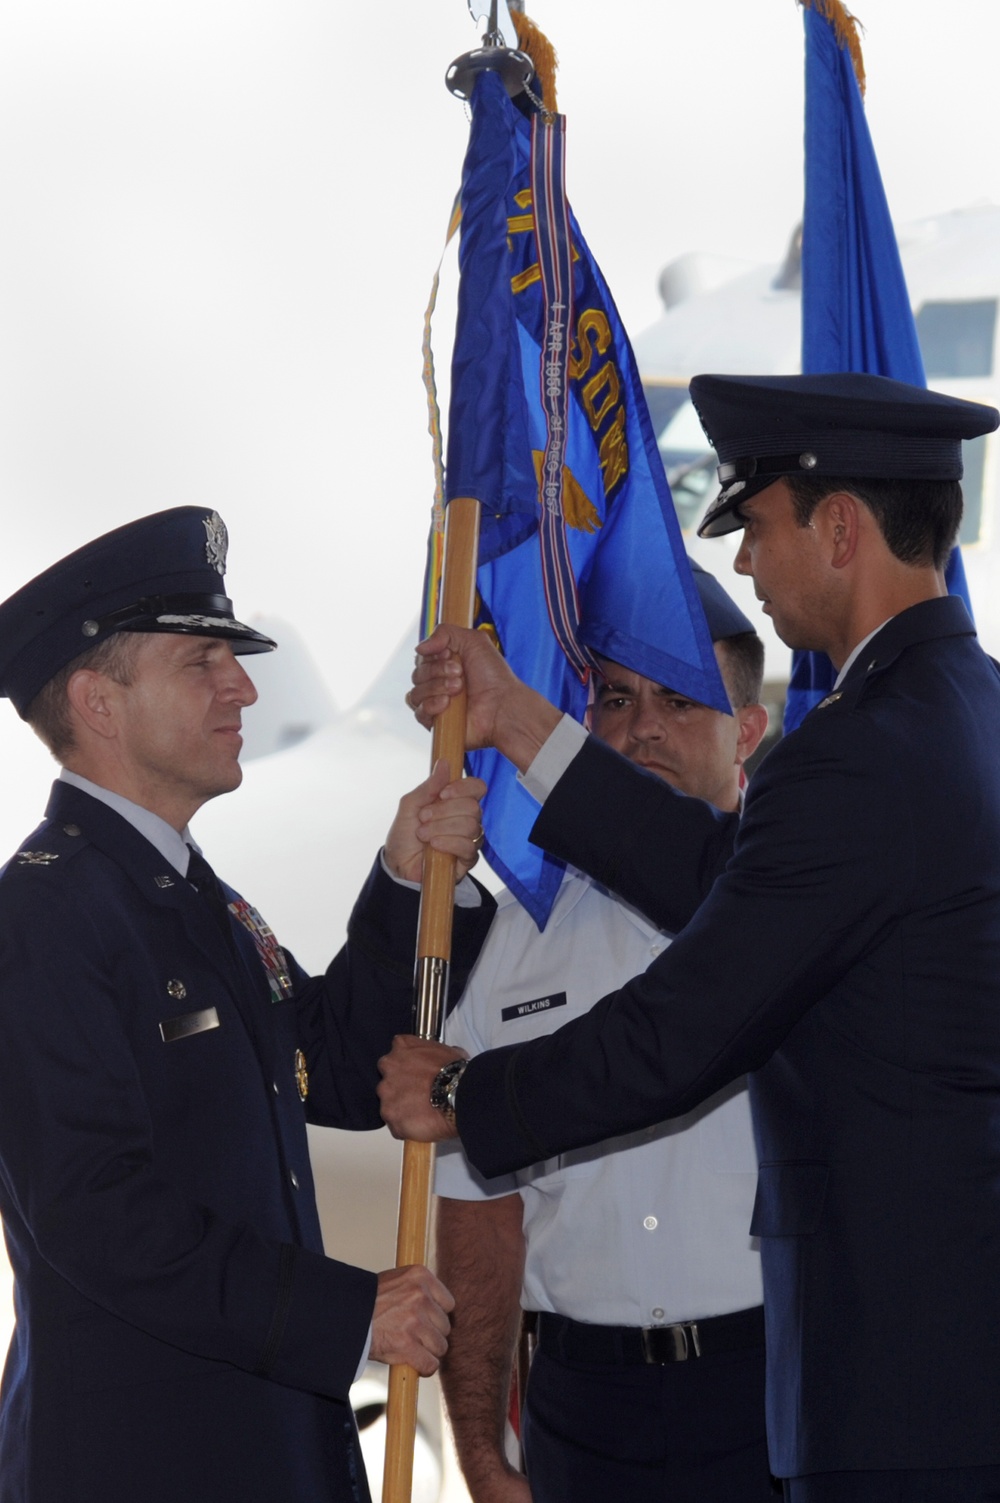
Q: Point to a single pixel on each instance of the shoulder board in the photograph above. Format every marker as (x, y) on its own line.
(861, 675)
(48, 847)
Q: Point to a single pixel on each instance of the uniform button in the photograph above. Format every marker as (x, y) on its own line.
(655, 949)
(274, 1087)
(71, 829)
(657, 1313)
(650, 1223)
(294, 1179)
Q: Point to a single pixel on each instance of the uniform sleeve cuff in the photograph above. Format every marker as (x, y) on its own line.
(553, 759)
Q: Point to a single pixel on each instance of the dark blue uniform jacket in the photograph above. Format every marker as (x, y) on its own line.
(180, 1335)
(843, 944)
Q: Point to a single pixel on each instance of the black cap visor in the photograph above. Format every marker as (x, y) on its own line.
(185, 615)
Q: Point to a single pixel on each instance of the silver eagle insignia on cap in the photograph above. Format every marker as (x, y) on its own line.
(217, 545)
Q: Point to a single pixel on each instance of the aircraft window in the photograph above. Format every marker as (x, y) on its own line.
(687, 459)
(956, 339)
(973, 458)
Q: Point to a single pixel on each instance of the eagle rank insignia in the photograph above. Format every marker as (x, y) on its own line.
(217, 544)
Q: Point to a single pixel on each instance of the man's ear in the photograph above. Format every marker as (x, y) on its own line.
(841, 522)
(752, 722)
(91, 700)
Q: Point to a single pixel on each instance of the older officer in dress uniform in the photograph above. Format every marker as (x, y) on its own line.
(842, 943)
(180, 1334)
(648, 1381)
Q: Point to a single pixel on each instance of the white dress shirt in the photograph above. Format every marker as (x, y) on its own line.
(647, 1229)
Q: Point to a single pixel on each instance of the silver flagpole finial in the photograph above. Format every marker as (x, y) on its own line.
(499, 53)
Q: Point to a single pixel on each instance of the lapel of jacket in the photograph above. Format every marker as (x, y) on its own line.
(930, 620)
(162, 886)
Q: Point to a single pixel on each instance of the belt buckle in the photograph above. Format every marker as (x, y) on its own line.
(661, 1344)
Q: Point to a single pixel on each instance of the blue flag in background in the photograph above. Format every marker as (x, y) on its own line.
(567, 444)
(856, 312)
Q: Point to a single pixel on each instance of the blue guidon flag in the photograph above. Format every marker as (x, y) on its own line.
(856, 313)
(580, 548)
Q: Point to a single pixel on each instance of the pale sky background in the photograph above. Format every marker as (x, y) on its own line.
(219, 223)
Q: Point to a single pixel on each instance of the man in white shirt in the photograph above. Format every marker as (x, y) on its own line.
(648, 1381)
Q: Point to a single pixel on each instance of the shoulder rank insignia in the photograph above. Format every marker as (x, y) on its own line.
(831, 699)
(271, 954)
(36, 858)
(301, 1075)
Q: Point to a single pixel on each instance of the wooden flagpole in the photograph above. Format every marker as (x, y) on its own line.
(437, 901)
(458, 591)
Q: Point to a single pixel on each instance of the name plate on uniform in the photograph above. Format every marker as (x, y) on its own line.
(539, 1004)
(188, 1023)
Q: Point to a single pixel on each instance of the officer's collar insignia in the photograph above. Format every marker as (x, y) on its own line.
(271, 954)
(163, 880)
(36, 858)
(301, 1074)
(831, 699)
(217, 545)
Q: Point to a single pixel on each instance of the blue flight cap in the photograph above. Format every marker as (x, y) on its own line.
(723, 616)
(163, 573)
(851, 425)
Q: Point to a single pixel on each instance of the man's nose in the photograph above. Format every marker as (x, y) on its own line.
(741, 563)
(239, 687)
(646, 724)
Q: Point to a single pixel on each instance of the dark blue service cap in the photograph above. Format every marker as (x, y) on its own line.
(724, 617)
(163, 573)
(857, 426)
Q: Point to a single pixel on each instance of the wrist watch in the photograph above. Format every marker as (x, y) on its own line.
(444, 1087)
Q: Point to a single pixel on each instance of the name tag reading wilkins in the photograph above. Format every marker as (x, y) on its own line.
(539, 1004)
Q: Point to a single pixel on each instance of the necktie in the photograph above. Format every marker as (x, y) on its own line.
(209, 888)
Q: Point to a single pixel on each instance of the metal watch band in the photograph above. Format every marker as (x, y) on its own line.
(445, 1086)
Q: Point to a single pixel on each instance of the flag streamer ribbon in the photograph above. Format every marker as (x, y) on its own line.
(555, 264)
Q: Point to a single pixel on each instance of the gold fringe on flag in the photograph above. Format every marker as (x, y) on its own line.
(536, 44)
(846, 29)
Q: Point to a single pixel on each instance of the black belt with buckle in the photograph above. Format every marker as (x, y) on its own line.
(622, 1346)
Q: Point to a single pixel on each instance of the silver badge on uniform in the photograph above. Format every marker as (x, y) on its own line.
(218, 542)
(37, 858)
(301, 1074)
(188, 1024)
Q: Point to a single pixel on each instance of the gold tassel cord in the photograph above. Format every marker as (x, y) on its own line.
(846, 29)
(532, 40)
